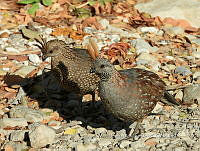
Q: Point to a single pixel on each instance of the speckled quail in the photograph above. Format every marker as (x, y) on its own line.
(71, 66)
(128, 94)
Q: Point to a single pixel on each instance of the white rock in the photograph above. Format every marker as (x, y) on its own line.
(104, 23)
(149, 29)
(34, 58)
(196, 54)
(104, 142)
(87, 147)
(178, 9)
(24, 71)
(11, 49)
(12, 122)
(41, 136)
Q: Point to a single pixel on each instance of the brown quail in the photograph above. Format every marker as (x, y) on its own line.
(128, 94)
(71, 66)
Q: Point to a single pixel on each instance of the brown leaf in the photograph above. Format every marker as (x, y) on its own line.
(18, 57)
(10, 90)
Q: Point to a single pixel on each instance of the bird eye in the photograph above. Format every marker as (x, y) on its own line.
(102, 66)
(51, 51)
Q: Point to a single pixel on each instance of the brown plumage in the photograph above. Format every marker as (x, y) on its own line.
(71, 66)
(129, 94)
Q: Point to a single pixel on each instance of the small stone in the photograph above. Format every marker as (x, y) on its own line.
(114, 38)
(182, 70)
(196, 54)
(24, 71)
(86, 147)
(17, 135)
(11, 49)
(89, 30)
(100, 131)
(191, 94)
(125, 143)
(34, 58)
(104, 23)
(196, 41)
(149, 29)
(174, 30)
(29, 114)
(12, 122)
(142, 46)
(104, 142)
(121, 134)
(41, 136)
(179, 95)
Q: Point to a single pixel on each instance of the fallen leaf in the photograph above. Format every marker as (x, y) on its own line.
(71, 131)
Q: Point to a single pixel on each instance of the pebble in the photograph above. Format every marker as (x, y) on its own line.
(41, 136)
(18, 135)
(104, 23)
(179, 95)
(149, 29)
(191, 93)
(125, 143)
(11, 49)
(174, 30)
(85, 147)
(104, 142)
(12, 122)
(183, 70)
(29, 114)
(34, 58)
(142, 46)
(196, 54)
(24, 71)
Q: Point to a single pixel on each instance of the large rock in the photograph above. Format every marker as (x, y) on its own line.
(177, 9)
(41, 136)
(12, 122)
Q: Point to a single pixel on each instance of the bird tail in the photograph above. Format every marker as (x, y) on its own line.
(170, 100)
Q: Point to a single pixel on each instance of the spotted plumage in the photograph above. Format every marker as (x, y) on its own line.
(71, 66)
(128, 94)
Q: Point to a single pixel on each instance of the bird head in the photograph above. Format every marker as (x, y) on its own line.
(52, 48)
(103, 68)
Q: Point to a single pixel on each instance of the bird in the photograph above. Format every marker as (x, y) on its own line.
(71, 67)
(129, 94)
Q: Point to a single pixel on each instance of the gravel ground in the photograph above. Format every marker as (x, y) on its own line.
(36, 114)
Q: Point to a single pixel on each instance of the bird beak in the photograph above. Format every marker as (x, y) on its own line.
(92, 70)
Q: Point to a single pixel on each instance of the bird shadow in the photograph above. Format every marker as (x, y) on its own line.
(47, 92)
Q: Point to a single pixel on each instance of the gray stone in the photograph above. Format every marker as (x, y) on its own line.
(104, 142)
(196, 54)
(120, 134)
(34, 58)
(41, 136)
(191, 94)
(125, 143)
(178, 9)
(149, 29)
(174, 30)
(29, 114)
(114, 38)
(142, 46)
(24, 71)
(179, 95)
(182, 70)
(18, 135)
(100, 131)
(104, 23)
(196, 41)
(18, 99)
(148, 59)
(85, 147)
(89, 30)
(16, 146)
(11, 49)
(12, 122)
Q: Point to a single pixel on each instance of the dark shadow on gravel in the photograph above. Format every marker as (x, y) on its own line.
(47, 92)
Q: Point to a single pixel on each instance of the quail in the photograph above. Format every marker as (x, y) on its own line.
(129, 94)
(71, 67)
